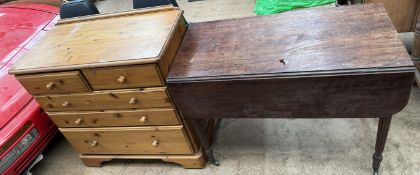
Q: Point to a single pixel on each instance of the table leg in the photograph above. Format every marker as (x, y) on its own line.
(383, 128)
(204, 141)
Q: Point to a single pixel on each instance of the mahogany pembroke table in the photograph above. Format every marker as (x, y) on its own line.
(313, 63)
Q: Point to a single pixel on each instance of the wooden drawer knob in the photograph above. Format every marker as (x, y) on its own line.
(78, 121)
(50, 85)
(132, 101)
(65, 104)
(155, 143)
(121, 80)
(143, 119)
(94, 143)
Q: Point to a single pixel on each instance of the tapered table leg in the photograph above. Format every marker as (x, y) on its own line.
(203, 139)
(383, 128)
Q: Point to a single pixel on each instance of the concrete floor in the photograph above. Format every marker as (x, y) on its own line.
(197, 11)
(268, 146)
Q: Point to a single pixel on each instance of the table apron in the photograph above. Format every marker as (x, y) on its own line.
(342, 96)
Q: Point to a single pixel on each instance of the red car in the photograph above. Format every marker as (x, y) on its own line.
(25, 128)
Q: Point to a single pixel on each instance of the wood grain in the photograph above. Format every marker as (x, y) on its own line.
(123, 60)
(139, 117)
(119, 39)
(314, 63)
(383, 127)
(171, 48)
(128, 140)
(303, 41)
(193, 134)
(196, 161)
(107, 100)
(53, 83)
(402, 13)
(345, 96)
(124, 77)
(187, 161)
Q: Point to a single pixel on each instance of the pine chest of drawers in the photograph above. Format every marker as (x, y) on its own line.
(101, 79)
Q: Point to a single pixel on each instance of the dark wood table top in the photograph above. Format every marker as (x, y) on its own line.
(359, 38)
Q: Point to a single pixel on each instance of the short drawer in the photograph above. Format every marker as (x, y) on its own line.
(124, 77)
(146, 117)
(129, 140)
(107, 100)
(53, 83)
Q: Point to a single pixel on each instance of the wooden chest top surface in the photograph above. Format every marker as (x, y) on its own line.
(132, 37)
(312, 41)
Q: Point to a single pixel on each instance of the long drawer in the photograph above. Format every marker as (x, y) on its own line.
(146, 117)
(107, 100)
(128, 140)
